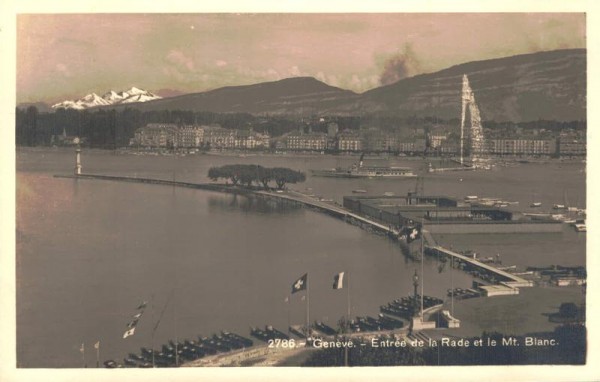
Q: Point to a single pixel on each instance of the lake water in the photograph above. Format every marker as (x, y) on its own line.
(89, 252)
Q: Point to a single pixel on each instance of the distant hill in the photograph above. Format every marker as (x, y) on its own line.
(289, 96)
(545, 85)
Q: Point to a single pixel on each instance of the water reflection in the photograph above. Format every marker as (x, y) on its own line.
(251, 204)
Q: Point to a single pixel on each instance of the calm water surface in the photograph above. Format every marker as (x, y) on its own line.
(88, 252)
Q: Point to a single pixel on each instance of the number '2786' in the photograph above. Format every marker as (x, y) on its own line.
(282, 343)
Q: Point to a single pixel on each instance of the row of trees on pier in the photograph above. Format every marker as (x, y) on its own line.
(252, 173)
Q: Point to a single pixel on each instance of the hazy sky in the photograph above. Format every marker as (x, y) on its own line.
(67, 56)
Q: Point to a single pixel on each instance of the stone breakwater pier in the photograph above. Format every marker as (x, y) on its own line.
(503, 278)
(329, 208)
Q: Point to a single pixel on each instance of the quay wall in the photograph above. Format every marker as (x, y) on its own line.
(513, 227)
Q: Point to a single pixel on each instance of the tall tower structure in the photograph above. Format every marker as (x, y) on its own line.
(77, 156)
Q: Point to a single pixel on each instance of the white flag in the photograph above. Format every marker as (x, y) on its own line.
(128, 333)
(82, 348)
(97, 345)
(338, 281)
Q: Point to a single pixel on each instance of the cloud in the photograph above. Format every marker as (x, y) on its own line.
(180, 60)
(294, 71)
(63, 69)
(403, 64)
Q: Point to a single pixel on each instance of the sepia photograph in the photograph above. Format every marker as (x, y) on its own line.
(313, 190)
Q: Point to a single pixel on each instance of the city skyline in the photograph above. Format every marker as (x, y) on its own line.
(61, 57)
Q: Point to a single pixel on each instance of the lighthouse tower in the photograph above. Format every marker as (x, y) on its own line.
(77, 157)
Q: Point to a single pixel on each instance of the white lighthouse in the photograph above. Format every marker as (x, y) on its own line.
(77, 157)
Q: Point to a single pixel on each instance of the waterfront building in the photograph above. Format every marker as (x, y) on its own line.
(156, 135)
(571, 145)
(218, 137)
(374, 140)
(449, 148)
(248, 139)
(190, 136)
(520, 147)
(416, 146)
(349, 141)
(312, 141)
(435, 141)
(332, 130)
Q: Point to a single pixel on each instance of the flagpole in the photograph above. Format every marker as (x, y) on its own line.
(98, 354)
(152, 337)
(287, 303)
(422, 275)
(83, 354)
(347, 319)
(348, 279)
(307, 308)
(176, 337)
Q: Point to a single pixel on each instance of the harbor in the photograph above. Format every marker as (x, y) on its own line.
(317, 197)
(400, 313)
(251, 190)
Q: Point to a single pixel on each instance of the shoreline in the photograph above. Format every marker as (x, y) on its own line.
(245, 154)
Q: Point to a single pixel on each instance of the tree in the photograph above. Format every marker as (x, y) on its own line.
(231, 172)
(283, 175)
(264, 176)
(248, 173)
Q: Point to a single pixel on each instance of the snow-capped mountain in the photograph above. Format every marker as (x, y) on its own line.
(110, 98)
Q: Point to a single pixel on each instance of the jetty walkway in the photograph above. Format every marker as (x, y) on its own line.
(509, 279)
(328, 207)
(288, 195)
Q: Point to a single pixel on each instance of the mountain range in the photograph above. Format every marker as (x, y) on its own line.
(110, 98)
(545, 85)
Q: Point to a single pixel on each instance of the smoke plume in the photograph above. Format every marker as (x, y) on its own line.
(401, 65)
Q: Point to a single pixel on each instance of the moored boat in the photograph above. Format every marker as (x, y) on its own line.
(357, 170)
(366, 172)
